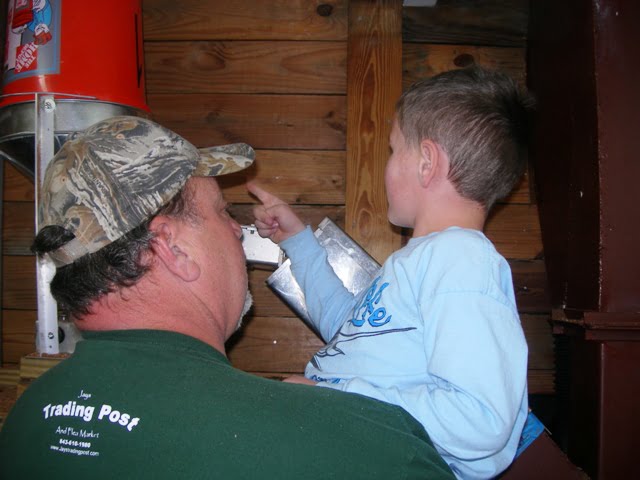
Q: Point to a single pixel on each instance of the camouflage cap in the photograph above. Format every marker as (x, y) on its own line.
(111, 177)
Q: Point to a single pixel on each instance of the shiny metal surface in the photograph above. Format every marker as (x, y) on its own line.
(17, 126)
(47, 323)
(352, 264)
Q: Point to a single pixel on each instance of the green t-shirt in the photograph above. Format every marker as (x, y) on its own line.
(156, 404)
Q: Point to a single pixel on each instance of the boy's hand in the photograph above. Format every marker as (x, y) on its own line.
(274, 218)
(299, 379)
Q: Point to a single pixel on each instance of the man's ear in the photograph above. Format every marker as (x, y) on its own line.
(166, 246)
(429, 163)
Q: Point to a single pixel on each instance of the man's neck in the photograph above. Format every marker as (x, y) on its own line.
(144, 307)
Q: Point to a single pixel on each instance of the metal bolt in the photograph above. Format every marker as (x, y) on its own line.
(49, 105)
(50, 335)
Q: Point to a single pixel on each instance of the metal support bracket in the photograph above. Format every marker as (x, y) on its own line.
(47, 323)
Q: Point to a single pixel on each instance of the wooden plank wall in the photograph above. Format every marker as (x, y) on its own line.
(374, 75)
(274, 74)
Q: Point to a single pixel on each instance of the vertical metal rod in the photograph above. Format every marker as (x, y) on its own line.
(47, 323)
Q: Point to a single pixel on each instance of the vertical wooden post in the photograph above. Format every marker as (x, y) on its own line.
(374, 83)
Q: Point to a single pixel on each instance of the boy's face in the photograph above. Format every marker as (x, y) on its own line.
(401, 179)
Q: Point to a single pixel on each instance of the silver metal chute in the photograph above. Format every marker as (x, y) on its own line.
(18, 121)
(351, 263)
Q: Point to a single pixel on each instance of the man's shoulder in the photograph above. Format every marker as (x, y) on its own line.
(191, 410)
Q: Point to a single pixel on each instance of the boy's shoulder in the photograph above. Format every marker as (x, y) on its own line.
(455, 260)
(454, 240)
(452, 253)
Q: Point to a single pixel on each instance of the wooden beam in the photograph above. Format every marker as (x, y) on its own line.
(468, 22)
(244, 20)
(263, 121)
(18, 335)
(17, 187)
(301, 177)
(421, 60)
(374, 83)
(286, 67)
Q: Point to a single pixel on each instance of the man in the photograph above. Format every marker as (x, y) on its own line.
(151, 268)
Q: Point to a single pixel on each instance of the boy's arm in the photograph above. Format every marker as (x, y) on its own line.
(327, 300)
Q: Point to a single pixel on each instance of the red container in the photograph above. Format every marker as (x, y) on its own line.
(74, 49)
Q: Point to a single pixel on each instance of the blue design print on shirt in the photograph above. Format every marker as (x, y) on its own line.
(333, 381)
(331, 349)
(367, 312)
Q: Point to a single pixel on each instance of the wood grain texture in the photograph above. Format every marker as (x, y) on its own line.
(537, 330)
(374, 85)
(244, 20)
(309, 177)
(35, 364)
(18, 227)
(246, 67)
(17, 187)
(9, 376)
(531, 286)
(515, 231)
(18, 282)
(468, 22)
(18, 335)
(265, 302)
(310, 122)
(273, 345)
(8, 396)
(426, 60)
(521, 193)
(541, 382)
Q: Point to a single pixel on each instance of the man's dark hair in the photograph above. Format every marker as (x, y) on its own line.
(118, 265)
(480, 118)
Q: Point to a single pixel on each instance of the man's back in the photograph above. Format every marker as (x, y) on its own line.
(152, 404)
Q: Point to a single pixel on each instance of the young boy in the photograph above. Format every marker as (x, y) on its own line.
(438, 332)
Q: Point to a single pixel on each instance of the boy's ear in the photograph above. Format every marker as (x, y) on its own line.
(429, 162)
(167, 248)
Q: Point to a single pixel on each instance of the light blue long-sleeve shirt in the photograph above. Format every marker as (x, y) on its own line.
(437, 333)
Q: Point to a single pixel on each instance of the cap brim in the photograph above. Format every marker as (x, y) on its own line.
(224, 159)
